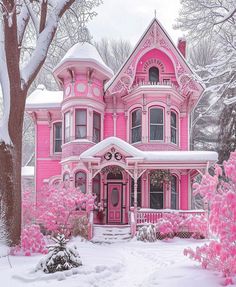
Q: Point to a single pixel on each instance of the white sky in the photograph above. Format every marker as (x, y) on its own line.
(128, 19)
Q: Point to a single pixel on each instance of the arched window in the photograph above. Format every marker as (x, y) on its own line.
(156, 124)
(153, 75)
(96, 187)
(80, 181)
(174, 193)
(136, 125)
(173, 127)
(139, 192)
(57, 137)
(156, 195)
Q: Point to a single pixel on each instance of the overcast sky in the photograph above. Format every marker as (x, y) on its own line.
(128, 19)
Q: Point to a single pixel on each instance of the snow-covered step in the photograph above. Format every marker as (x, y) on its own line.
(111, 233)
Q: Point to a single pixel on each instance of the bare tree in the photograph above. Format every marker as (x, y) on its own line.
(114, 52)
(214, 20)
(16, 78)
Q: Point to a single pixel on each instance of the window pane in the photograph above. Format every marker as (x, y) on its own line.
(136, 134)
(96, 120)
(173, 135)
(96, 135)
(67, 126)
(80, 132)
(57, 145)
(58, 130)
(153, 75)
(174, 194)
(156, 200)
(96, 187)
(156, 116)
(136, 118)
(80, 117)
(156, 132)
(80, 181)
(173, 119)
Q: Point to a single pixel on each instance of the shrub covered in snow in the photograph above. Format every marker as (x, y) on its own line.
(147, 233)
(60, 257)
(220, 254)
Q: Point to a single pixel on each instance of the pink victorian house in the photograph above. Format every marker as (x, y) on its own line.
(123, 137)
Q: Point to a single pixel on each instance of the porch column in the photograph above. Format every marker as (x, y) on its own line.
(135, 194)
(90, 179)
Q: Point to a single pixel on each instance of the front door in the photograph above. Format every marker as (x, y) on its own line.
(114, 202)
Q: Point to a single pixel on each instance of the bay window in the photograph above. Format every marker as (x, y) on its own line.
(57, 137)
(96, 127)
(136, 125)
(173, 127)
(156, 124)
(80, 124)
(67, 127)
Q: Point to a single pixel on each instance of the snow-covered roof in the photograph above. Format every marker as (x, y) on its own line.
(151, 156)
(27, 171)
(85, 52)
(43, 98)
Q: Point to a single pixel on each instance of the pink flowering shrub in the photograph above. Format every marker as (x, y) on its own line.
(197, 225)
(220, 190)
(57, 208)
(32, 241)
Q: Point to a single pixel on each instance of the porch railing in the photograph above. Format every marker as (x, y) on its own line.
(152, 215)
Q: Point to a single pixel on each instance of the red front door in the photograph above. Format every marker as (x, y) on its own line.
(114, 202)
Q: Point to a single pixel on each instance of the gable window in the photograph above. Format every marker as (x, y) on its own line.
(156, 195)
(174, 193)
(173, 128)
(67, 127)
(80, 181)
(136, 126)
(57, 137)
(96, 127)
(80, 124)
(156, 124)
(139, 189)
(153, 75)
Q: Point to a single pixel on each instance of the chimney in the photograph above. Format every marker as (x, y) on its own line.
(182, 46)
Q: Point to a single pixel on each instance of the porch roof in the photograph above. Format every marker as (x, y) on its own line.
(134, 154)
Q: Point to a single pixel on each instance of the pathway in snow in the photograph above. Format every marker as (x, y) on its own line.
(131, 264)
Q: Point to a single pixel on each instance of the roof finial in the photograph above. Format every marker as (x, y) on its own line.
(155, 13)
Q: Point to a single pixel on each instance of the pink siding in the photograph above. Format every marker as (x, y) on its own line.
(184, 192)
(43, 140)
(184, 133)
(75, 149)
(108, 125)
(46, 169)
(121, 126)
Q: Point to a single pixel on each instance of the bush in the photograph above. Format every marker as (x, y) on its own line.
(220, 191)
(147, 233)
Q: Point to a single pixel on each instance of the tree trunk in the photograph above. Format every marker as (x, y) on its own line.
(10, 172)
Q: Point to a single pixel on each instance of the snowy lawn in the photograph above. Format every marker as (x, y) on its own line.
(125, 264)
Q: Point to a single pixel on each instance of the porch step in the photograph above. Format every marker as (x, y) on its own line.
(111, 233)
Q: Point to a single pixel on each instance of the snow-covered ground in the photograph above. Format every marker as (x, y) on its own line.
(127, 264)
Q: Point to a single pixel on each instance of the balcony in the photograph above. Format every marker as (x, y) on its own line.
(155, 85)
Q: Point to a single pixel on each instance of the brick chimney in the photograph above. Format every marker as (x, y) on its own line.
(182, 46)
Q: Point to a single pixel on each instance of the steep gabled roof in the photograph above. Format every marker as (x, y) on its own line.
(158, 38)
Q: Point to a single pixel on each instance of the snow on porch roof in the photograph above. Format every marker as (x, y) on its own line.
(151, 156)
(43, 98)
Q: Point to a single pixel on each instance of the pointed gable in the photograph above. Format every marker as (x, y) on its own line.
(155, 37)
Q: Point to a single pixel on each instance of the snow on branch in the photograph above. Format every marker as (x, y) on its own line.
(226, 17)
(5, 87)
(22, 21)
(44, 39)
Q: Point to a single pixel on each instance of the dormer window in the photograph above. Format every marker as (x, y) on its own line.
(136, 126)
(153, 75)
(156, 124)
(80, 124)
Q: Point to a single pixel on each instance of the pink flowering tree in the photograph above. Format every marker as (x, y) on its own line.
(220, 191)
